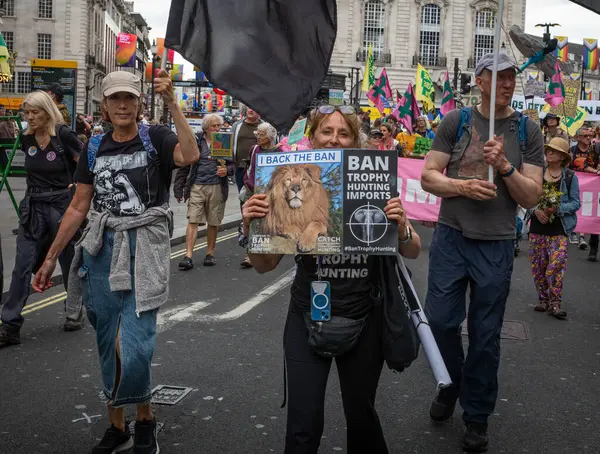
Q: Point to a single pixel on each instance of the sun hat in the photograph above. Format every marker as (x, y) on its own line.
(562, 146)
(121, 81)
(550, 116)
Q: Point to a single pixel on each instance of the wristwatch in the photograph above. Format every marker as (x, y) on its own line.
(408, 236)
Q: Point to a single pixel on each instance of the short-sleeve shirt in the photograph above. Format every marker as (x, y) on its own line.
(127, 179)
(350, 278)
(583, 159)
(50, 168)
(493, 219)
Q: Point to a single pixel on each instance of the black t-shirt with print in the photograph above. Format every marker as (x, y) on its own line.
(126, 179)
(350, 278)
(48, 168)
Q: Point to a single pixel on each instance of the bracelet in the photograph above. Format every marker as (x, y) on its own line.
(509, 173)
(408, 236)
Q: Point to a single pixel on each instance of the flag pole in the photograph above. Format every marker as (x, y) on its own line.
(494, 77)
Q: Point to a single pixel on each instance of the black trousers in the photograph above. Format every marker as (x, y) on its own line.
(307, 373)
(28, 250)
(1, 273)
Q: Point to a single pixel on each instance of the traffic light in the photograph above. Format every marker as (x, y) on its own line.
(465, 83)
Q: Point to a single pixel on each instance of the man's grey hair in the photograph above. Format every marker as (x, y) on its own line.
(581, 130)
(268, 129)
(210, 119)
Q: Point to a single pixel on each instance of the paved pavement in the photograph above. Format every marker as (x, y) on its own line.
(9, 221)
(221, 334)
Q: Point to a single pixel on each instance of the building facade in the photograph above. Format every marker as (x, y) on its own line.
(84, 31)
(434, 33)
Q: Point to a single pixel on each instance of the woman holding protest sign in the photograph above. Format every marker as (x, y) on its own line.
(359, 356)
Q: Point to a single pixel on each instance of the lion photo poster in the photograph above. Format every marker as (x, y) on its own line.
(325, 202)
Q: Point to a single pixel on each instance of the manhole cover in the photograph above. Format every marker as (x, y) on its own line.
(159, 427)
(511, 330)
(169, 395)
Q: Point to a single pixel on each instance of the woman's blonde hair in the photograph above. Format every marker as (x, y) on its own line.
(209, 119)
(42, 101)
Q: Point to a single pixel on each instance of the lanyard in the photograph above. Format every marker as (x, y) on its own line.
(319, 266)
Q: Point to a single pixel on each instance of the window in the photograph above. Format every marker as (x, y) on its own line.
(8, 87)
(9, 6)
(373, 27)
(45, 9)
(44, 46)
(430, 35)
(23, 82)
(9, 39)
(484, 33)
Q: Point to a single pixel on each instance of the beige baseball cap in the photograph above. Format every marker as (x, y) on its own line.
(121, 81)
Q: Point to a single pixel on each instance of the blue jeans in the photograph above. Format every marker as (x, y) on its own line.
(455, 263)
(113, 314)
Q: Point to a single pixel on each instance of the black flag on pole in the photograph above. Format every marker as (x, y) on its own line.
(272, 55)
(592, 5)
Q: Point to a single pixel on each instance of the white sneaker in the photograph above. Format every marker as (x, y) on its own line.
(582, 244)
(573, 238)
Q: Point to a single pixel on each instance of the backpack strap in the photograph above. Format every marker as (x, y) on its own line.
(522, 131)
(144, 132)
(464, 123)
(92, 150)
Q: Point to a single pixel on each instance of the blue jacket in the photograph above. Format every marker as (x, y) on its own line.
(569, 202)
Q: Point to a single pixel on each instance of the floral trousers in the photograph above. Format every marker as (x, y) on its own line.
(548, 256)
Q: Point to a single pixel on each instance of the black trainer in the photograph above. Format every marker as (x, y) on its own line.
(186, 264)
(593, 255)
(145, 438)
(9, 336)
(209, 260)
(475, 438)
(442, 407)
(114, 440)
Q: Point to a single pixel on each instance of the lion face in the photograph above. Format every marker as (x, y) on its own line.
(296, 184)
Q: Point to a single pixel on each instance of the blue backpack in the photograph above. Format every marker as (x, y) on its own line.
(465, 125)
(94, 145)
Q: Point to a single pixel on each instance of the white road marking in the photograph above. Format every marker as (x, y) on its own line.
(266, 293)
(170, 317)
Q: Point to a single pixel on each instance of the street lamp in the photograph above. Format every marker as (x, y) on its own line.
(155, 57)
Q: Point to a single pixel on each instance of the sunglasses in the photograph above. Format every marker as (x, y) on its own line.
(589, 136)
(328, 110)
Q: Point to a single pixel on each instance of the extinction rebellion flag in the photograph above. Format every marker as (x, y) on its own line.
(270, 54)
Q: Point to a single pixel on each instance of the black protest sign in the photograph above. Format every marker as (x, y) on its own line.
(370, 180)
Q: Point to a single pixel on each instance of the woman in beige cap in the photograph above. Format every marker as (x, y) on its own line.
(121, 265)
(553, 220)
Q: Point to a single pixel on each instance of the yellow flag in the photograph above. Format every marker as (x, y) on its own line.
(571, 125)
(424, 89)
(369, 75)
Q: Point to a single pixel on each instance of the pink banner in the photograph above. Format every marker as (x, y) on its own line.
(423, 206)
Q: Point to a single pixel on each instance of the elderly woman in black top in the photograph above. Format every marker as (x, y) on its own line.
(360, 367)
(51, 152)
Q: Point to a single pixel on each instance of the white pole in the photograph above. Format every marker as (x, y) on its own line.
(494, 76)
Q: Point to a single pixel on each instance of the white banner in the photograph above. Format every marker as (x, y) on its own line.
(591, 107)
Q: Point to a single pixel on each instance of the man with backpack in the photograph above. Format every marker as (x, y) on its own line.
(586, 158)
(473, 243)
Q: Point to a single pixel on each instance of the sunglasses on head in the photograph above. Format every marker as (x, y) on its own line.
(328, 110)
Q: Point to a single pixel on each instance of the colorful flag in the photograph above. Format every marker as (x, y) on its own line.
(587, 95)
(148, 72)
(207, 33)
(424, 89)
(575, 76)
(369, 75)
(5, 74)
(562, 48)
(125, 53)
(380, 91)
(160, 43)
(177, 73)
(556, 89)
(407, 111)
(398, 96)
(448, 103)
(590, 54)
(532, 75)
